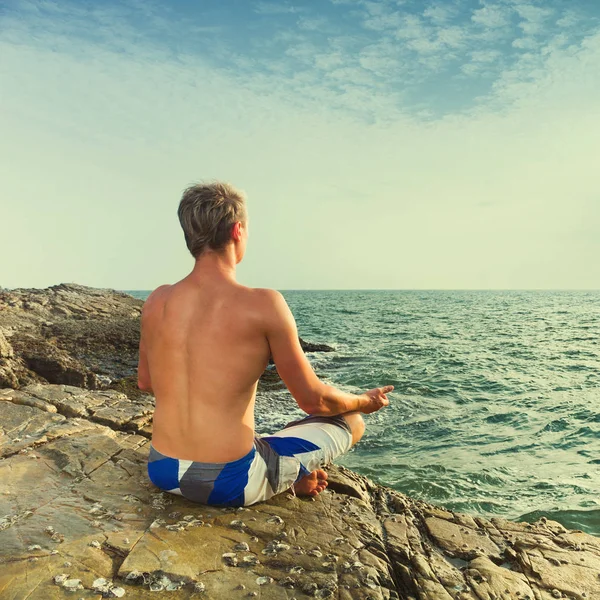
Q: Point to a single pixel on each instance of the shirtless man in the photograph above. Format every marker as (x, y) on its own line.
(205, 341)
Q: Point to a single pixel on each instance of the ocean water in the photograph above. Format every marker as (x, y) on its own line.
(496, 406)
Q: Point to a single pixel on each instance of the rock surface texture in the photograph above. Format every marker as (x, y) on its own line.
(68, 333)
(80, 519)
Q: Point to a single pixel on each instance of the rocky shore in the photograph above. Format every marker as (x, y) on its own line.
(80, 519)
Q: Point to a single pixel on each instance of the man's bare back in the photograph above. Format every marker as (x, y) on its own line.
(206, 348)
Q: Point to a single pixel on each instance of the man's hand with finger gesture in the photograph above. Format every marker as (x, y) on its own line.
(376, 399)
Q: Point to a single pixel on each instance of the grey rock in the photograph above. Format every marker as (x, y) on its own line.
(96, 474)
(241, 547)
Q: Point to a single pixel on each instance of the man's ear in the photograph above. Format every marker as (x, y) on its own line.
(235, 231)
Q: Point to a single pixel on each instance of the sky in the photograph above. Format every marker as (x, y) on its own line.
(381, 144)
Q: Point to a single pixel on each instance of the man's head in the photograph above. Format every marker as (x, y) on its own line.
(212, 216)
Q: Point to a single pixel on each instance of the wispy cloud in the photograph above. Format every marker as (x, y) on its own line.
(533, 18)
(491, 15)
(275, 8)
(440, 14)
(568, 19)
(409, 53)
(313, 23)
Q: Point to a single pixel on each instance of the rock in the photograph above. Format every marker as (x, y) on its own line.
(123, 536)
(68, 334)
(102, 585)
(241, 547)
(309, 347)
(8, 363)
(52, 364)
(229, 558)
(73, 584)
(6, 350)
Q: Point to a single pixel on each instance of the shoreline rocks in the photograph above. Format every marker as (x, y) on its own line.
(68, 333)
(78, 512)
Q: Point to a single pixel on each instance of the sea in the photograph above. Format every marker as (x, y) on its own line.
(496, 402)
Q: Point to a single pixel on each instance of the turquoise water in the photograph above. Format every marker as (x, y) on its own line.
(496, 407)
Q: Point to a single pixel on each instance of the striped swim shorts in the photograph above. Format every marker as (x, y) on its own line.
(274, 463)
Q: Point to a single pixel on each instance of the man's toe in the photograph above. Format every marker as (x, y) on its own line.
(321, 474)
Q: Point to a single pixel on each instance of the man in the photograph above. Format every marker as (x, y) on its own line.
(205, 342)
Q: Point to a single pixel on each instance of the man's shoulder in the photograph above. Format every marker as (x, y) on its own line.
(161, 288)
(265, 292)
(266, 302)
(158, 291)
(266, 296)
(155, 295)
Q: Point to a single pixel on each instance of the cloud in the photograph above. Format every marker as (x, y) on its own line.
(402, 54)
(471, 68)
(379, 16)
(329, 61)
(275, 8)
(412, 28)
(451, 37)
(312, 23)
(440, 14)
(382, 58)
(569, 19)
(493, 15)
(485, 56)
(533, 17)
(480, 63)
(547, 77)
(525, 43)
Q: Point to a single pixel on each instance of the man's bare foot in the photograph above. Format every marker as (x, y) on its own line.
(311, 484)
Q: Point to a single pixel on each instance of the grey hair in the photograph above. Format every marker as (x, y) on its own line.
(207, 212)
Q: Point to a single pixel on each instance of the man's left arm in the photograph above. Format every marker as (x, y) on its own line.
(144, 381)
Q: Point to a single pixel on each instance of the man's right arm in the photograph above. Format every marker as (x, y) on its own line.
(312, 395)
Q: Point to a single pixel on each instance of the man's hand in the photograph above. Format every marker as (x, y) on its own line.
(376, 399)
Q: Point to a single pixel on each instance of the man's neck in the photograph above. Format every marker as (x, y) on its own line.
(215, 266)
